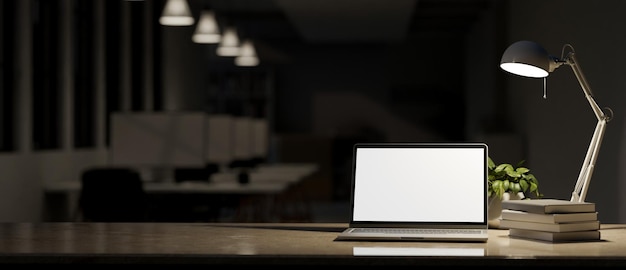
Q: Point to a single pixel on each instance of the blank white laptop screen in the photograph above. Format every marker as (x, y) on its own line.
(413, 184)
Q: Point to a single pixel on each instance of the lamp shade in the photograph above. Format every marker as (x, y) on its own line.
(247, 55)
(229, 45)
(207, 30)
(526, 58)
(176, 13)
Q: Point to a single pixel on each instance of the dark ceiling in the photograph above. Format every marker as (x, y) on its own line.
(348, 21)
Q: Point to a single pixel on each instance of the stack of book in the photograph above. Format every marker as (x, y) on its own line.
(551, 220)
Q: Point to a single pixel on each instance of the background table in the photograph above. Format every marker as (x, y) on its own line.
(266, 184)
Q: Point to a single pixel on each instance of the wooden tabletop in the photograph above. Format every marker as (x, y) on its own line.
(282, 244)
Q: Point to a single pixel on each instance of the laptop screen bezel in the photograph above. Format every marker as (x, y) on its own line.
(474, 145)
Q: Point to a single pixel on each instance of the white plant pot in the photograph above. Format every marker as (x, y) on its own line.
(494, 213)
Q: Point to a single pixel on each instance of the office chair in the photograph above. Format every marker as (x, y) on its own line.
(112, 195)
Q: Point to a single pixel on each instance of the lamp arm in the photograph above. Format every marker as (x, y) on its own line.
(582, 184)
(571, 61)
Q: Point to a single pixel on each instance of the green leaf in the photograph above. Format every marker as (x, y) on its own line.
(500, 191)
(496, 184)
(524, 185)
(533, 187)
(531, 178)
(513, 174)
(515, 187)
(497, 188)
(522, 170)
(503, 167)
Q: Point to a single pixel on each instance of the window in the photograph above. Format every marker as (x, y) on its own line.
(137, 49)
(7, 77)
(112, 50)
(84, 79)
(46, 100)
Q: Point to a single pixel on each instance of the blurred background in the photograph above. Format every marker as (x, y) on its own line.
(329, 74)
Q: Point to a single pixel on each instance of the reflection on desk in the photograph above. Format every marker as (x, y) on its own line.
(416, 251)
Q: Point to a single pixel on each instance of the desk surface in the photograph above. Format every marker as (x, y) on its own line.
(284, 244)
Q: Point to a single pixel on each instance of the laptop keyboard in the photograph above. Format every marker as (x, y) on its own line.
(416, 231)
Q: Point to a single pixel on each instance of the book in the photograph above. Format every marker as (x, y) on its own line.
(548, 218)
(551, 227)
(555, 236)
(549, 206)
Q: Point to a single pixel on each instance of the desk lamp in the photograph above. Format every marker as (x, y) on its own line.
(529, 59)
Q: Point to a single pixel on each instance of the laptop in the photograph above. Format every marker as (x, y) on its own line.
(418, 192)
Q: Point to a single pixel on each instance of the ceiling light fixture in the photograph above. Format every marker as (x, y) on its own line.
(247, 55)
(176, 13)
(229, 45)
(207, 30)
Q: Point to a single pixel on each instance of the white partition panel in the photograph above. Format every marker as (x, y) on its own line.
(260, 138)
(243, 138)
(162, 139)
(219, 142)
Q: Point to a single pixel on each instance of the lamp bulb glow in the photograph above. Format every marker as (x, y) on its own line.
(524, 70)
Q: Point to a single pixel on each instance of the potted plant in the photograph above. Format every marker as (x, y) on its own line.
(508, 182)
(506, 178)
